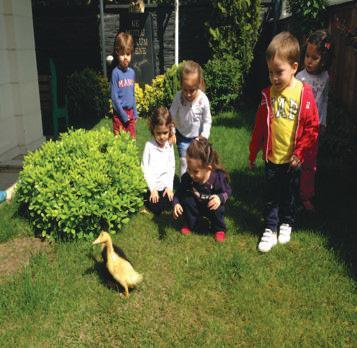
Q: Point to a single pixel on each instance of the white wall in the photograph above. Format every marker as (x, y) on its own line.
(20, 113)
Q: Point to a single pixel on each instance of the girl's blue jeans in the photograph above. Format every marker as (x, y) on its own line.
(182, 144)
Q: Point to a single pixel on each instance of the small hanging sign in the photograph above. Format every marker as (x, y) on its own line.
(136, 6)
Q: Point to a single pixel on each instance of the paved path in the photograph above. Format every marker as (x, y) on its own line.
(9, 171)
(8, 177)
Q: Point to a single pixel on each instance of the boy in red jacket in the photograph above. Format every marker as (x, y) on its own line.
(286, 126)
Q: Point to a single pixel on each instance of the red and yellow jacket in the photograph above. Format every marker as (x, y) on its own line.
(306, 130)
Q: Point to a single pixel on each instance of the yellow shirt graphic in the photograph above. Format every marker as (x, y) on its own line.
(285, 107)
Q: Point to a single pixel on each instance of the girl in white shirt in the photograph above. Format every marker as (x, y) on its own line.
(158, 163)
(190, 110)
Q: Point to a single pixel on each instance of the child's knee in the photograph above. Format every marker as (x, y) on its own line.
(189, 201)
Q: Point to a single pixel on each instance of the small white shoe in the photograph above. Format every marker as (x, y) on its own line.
(269, 239)
(284, 233)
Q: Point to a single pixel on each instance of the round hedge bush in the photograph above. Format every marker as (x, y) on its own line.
(71, 186)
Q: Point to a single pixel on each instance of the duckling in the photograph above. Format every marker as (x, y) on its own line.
(118, 264)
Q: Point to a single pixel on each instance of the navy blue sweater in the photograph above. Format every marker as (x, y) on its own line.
(215, 185)
(122, 92)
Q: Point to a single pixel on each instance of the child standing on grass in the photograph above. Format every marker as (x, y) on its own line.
(158, 163)
(190, 110)
(122, 86)
(286, 126)
(317, 60)
(203, 190)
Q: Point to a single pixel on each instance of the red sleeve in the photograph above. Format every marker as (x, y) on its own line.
(310, 127)
(257, 140)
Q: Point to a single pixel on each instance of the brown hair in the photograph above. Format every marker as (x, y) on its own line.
(160, 117)
(201, 149)
(191, 67)
(123, 42)
(285, 46)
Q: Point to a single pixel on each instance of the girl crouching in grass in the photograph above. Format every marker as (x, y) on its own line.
(203, 190)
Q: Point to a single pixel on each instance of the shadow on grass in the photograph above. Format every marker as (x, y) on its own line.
(104, 276)
(85, 121)
(243, 119)
(336, 198)
(246, 204)
(164, 221)
(336, 210)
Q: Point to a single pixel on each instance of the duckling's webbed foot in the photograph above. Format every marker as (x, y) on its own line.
(126, 292)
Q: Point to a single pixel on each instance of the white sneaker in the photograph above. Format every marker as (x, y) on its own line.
(269, 239)
(284, 233)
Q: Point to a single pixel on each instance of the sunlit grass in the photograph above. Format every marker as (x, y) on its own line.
(196, 292)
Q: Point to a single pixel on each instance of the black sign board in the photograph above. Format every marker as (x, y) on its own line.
(140, 26)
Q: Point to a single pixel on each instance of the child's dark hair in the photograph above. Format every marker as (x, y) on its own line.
(201, 149)
(191, 67)
(322, 40)
(160, 117)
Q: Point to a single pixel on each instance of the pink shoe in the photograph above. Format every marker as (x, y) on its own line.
(185, 230)
(220, 236)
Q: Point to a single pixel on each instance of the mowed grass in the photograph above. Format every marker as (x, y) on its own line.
(11, 223)
(195, 292)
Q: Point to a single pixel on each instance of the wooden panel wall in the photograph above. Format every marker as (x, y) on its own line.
(344, 67)
(163, 27)
(193, 34)
(70, 38)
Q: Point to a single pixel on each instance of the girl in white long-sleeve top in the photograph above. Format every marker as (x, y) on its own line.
(190, 110)
(158, 163)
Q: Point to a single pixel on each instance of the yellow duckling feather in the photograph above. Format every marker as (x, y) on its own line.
(117, 263)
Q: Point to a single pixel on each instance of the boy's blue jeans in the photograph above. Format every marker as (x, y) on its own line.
(281, 192)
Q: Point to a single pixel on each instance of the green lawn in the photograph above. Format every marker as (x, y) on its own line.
(196, 292)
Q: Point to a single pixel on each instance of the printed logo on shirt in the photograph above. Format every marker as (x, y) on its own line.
(285, 107)
(202, 196)
(125, 83)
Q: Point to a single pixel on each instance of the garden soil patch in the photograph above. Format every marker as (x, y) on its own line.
(16, 253)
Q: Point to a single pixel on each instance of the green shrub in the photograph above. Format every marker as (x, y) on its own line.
(171, 83)
(235, 30)
(154, 94)
(72, 185)
(161, 91)
(307, 16)
(150, 97)
(223, 77)
(139, 99)
(88, 96)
